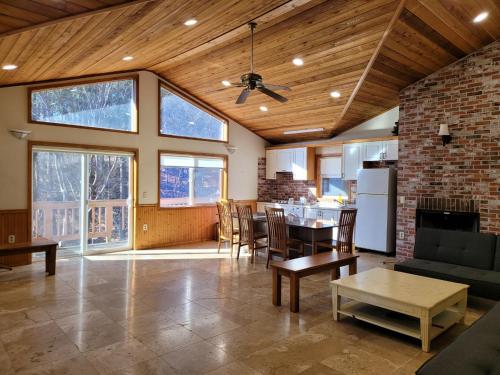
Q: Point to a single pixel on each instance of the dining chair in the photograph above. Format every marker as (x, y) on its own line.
(227, 232)
(247, 235)
(278, 241)
(343, 243)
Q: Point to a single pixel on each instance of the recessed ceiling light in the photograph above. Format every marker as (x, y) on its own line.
(298, 61)
(480, 17)
(191, 22)
(263, 108)
(311, 130)
(191, 122)
(128, 58)
(335, 94)
(226, 83)
(9, 67)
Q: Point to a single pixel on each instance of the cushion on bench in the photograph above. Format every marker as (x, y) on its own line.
(468, 249)
(483, 283)
(474, 352)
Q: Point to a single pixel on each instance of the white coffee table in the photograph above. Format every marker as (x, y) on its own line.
(380, 296)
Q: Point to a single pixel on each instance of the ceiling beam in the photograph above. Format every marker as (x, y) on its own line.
(369, 66)
(264, 21)
(74, 17)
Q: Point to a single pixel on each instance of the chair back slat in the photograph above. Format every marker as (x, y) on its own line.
(346, 230)
(245, 221)
(276, 227)
(225, 219)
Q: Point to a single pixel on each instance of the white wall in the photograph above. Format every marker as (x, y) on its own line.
(14, 152)
(378, 126)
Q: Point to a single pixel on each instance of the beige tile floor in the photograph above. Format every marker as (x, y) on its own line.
(188, 311)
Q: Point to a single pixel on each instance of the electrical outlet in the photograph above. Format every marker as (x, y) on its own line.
(402, 200)
(12, 238)
(145, 227)
(144, 194)
(401, 235)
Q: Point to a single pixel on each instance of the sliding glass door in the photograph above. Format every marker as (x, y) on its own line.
(67, 183)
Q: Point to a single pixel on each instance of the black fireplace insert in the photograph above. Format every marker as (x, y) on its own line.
(452, 220)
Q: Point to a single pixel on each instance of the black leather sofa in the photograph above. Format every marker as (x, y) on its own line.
(474, 352)
(464, 257)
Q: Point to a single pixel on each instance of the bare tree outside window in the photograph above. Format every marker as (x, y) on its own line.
(180, 118)
(103, 105)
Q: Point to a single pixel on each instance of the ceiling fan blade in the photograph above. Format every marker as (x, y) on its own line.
(272, 94)
(274, 87)
(243, 96)
(237, 84)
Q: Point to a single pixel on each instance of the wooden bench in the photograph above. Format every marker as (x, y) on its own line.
(306, 266)
(35, 246)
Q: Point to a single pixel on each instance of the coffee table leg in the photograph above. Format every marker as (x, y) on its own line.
(294, 292)
(425, 330)
(335, 302)
(276, 287)
(462, 308)
(50, 261)
(353, 267)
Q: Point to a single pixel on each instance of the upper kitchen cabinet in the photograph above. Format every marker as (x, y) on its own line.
(331, 167)
(383, 150)
(352, 160)
(299, 161)
(390, 150)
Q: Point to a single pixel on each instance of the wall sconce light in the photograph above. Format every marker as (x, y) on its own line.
(231, 148)
(444, 132)
(19, 133)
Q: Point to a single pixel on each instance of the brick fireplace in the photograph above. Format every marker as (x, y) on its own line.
(465, 174)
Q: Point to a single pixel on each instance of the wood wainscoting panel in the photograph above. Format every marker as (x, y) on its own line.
(175, 226)
(14, 222)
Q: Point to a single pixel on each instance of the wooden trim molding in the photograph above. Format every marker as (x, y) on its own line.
(67, 83)
(225, 182)
(195, 102)
(333, 142)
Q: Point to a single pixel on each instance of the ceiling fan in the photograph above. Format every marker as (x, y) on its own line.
(252, 81)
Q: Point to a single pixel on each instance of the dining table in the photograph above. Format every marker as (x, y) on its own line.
(307, 230)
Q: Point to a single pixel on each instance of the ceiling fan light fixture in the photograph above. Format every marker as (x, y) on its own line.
(480, 17)
(191, 22)
(128, 58)
(226, 83)
(263, 108)
(300, 131)
(335, 94)
(298, 61)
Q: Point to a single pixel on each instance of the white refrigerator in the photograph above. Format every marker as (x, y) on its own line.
(376, 204)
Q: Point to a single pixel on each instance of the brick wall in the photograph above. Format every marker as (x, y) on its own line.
(464, 95)
(283, 187)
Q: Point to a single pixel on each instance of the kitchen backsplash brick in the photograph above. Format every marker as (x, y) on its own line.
(283, 187)
(466, 96)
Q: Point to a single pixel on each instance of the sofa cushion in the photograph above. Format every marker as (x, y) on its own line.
(496, 266)
(469, 249)
(474, 352)
(483, 283)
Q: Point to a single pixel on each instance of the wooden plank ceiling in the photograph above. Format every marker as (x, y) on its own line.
(368, 50)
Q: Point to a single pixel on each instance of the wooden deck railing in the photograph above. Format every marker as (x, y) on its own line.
(60, 221)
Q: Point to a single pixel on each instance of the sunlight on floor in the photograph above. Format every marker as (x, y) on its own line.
(172, 253)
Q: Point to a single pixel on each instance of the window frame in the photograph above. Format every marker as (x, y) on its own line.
(133, 77)
(198, 104)
(224, 193)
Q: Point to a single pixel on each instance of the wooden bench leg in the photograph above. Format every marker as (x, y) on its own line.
(335, 302)
(353, 267)
(50, 261)
(294, 292)
(276, 287)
